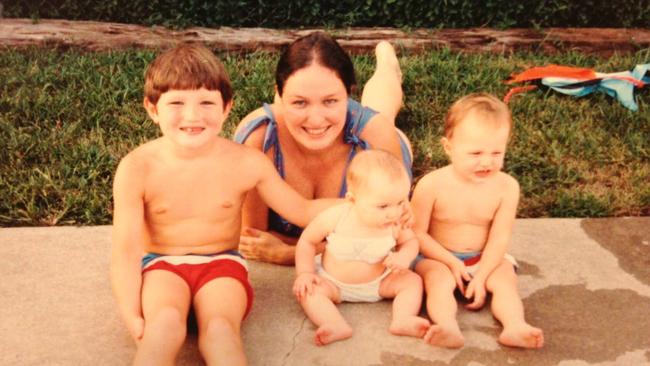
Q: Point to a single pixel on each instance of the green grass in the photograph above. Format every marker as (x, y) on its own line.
(67, 116)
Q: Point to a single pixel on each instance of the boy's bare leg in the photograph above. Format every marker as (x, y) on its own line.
(321, 310)
(509, 310)
(165, 303)
(439, 285)
(219, 321)
(406, 288)
(383, 91)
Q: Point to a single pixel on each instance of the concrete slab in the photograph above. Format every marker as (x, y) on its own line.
(585, 282)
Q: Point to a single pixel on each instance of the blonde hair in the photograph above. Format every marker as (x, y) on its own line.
(186, 67)
(489, 108)
(368, 162)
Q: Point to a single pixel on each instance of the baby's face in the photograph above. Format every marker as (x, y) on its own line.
(189, 118)
(477, 148)
(380, 202)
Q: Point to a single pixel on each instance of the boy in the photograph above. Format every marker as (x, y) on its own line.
(178, 198)
(464, 213)
(359, 264)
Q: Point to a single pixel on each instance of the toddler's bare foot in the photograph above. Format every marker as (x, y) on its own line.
(385, 54)
(413, 326)
(328, 333)
(525, 336)
(448, 336)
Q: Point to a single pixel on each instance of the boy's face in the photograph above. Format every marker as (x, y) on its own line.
(477, 149)
(380, 202)
(189, 118)
(314, 102)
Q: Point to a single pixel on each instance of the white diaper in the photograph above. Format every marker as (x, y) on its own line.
(355, 292)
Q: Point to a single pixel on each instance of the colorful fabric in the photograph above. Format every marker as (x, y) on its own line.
(579, 82)
(197, 270)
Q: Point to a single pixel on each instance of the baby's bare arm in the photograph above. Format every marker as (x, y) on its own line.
(129, 236)
(501, 229)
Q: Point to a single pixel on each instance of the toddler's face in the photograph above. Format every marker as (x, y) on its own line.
(380, 202)
(189, 118)
(477, 148)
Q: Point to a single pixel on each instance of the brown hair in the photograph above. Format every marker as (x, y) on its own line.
(367, 162)
(186, 67)
(319, 48)
(489, 108)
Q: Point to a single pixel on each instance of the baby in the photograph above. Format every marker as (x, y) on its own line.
(367, 254)
(464, 213)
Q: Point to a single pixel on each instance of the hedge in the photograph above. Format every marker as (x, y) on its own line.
(343, 13)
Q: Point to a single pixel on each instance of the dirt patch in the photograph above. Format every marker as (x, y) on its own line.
(105, 36)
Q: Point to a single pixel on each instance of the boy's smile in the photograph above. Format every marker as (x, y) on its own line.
(189, 118)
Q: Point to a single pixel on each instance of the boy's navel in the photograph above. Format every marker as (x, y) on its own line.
(226, 204)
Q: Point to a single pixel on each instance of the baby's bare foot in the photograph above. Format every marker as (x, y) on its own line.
(525, 336)
(413, 326)
(328, 333)
(448, 336)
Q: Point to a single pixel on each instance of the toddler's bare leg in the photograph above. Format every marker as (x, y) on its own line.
(439, 285)
(509, 310)
(383, 91)
(321, 310)
(406, 288)
(165, 303)
(220, 321)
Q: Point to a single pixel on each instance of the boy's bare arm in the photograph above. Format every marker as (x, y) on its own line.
(500, 229)
(129, 234)
(423, 203)
(282, 198)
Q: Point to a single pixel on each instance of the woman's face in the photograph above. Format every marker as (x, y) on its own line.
(314, 103)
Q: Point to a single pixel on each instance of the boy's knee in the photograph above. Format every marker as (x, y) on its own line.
(169, 322)
(220, 327)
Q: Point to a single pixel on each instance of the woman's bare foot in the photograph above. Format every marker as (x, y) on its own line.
(413, 326)
(385, 54)
(448, 336)
(328, 333)
(525, 336)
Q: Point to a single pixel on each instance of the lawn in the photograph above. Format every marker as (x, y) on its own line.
(67, 116)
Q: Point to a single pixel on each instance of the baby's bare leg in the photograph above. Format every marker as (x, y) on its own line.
(406, 288)
(165, 303)
(439, 285)
(321, 310)
(219, 321)
(509, 310)
(383, 91)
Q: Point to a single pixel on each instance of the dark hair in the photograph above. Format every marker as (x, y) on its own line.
(316, 47)
(186, 67)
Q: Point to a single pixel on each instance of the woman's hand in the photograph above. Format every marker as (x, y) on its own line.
(407, 219)
(262, 246)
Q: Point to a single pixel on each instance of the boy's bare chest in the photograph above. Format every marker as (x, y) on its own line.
(476, 207)
(208, 194)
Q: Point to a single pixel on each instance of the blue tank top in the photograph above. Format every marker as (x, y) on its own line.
(356, 119)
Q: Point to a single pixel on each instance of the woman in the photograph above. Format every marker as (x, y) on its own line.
(312, 130)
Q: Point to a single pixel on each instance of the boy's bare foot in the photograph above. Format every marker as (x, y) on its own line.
(525, 336)
(328, 333)
(385, 54)
(448, 337)
(413, 326)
